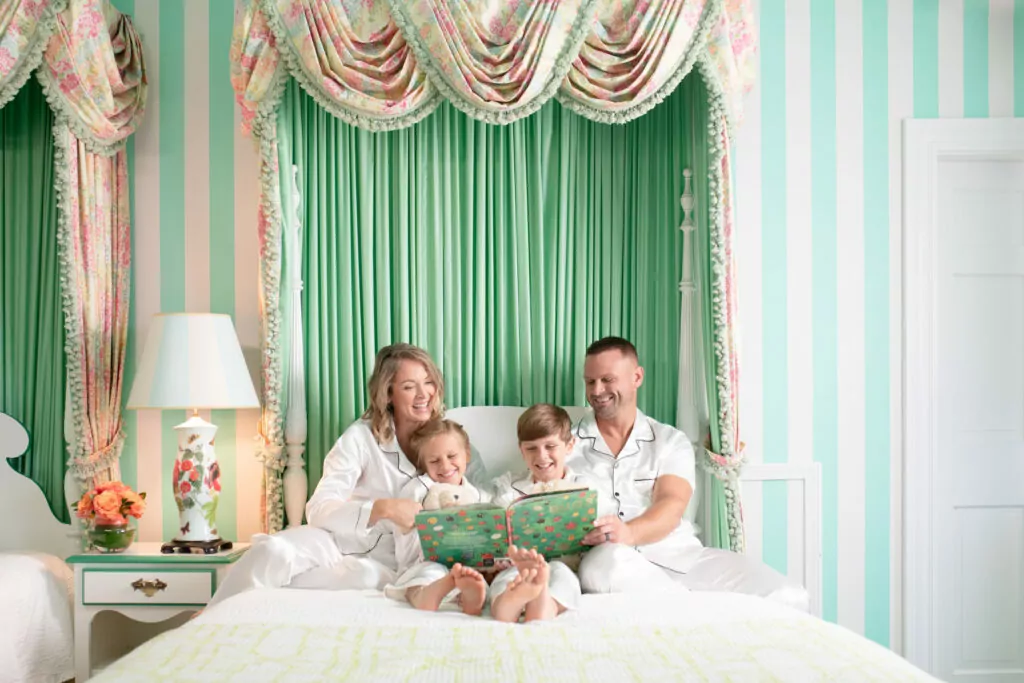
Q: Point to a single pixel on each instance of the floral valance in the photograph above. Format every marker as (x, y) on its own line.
(87, 55)
(385, 64)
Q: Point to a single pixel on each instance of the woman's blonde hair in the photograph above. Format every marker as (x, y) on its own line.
(385, 368)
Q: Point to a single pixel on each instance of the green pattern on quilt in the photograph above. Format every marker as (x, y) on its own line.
(761, 650)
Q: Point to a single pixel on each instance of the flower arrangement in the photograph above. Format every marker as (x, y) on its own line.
(111, 504)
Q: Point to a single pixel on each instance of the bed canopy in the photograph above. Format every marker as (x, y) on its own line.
(87, 57)
(385, 65)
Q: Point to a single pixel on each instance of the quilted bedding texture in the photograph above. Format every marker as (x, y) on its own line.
(315, 635)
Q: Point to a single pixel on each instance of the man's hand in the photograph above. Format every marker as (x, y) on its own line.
(610, 529)
(401, 512)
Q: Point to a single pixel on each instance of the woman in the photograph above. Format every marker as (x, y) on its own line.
(355, 512)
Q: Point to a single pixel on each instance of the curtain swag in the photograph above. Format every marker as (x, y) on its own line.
(385, 64)
(88, 58)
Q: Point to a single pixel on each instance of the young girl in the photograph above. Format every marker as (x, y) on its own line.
(441, 453)
(534, 588)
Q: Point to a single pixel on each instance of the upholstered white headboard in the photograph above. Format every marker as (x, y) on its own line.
(28, 522)
(492, 431)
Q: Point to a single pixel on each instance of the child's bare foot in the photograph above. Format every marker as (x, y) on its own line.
(429, 597)
(543, 606)
(521, 591)
(472, 589)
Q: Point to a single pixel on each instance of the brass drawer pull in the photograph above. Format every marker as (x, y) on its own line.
(149, 588)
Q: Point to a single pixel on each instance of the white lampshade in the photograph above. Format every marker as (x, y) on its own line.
(192, 361)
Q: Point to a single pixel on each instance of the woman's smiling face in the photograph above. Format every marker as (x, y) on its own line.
(412, 393)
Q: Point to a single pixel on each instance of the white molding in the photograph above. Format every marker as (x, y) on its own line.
(809, 476)
(925, 143)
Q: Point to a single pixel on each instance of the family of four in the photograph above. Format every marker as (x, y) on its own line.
(360, 518)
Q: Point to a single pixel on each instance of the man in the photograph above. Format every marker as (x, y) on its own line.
(645, 473)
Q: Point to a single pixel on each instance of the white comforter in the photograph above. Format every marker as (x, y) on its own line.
(36, 603)
(315, 635)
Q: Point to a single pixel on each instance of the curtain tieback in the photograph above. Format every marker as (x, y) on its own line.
(269, 452)
(93, 463)
(725, 467)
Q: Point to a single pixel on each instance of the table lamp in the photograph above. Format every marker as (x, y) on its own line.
(193, 361)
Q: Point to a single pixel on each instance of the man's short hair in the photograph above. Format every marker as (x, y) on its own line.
(543, 420)
(624, 346)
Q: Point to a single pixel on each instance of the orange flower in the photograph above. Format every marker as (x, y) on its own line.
(85, 506)
(108, 504)
(117, 486)
(136, 504)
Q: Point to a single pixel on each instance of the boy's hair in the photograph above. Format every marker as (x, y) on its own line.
(543, 420)
(624, 346)
(432, 429)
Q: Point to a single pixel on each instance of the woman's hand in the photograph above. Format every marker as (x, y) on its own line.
(402, 513)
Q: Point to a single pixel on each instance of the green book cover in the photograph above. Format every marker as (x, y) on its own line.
(553, 524)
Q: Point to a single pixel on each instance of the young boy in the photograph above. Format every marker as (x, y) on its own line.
(533, 587)
(441, 451)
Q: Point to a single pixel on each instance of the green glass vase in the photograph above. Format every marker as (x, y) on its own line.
(111, 538)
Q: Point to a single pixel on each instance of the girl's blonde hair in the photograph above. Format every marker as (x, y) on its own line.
(431, 430)
(385, 368)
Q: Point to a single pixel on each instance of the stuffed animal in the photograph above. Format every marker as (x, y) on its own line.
(442, 496)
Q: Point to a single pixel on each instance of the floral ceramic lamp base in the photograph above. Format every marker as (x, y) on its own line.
(196, 486)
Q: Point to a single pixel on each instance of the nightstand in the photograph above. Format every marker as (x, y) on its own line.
(143, 585)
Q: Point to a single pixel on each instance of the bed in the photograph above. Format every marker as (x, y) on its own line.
(36, 585)
(292, 635)
(320, 635)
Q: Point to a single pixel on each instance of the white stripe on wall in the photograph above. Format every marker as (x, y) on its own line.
(1000, 58)
(798, 250)
(197, 158)
(249, 471)
(748, 260)
(951, 58)
(850, 308)
(901, 106)
(147, 261)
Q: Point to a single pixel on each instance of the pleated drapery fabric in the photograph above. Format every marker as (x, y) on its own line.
(504, 251)
(32, 366)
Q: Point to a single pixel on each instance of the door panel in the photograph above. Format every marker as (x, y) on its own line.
(978, 497)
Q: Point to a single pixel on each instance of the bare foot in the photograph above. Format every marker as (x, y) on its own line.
(429, 597)
(543, 606)
(472, 589)
(520, 592)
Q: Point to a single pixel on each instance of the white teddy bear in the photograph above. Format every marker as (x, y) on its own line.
(442, 496)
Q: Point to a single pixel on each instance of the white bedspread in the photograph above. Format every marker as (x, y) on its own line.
(36, 603)
(313, 635)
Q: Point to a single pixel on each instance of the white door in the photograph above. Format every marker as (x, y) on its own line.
(964, 313)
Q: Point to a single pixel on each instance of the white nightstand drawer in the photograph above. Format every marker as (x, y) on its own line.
(147, 587)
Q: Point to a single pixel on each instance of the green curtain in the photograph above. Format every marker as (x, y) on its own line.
(32, 337)
(502, 250)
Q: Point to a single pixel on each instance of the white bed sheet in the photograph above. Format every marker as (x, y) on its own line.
(36, 607)
(315, 635)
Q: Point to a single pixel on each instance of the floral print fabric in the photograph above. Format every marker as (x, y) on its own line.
(384, 64)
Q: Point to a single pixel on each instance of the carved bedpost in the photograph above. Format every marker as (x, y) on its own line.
(296, 485)
(690, 376)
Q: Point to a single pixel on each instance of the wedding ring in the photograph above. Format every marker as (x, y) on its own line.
(607, 537)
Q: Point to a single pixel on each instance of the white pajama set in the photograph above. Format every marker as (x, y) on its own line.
(563, 585)
(336, 549)
(625, 487)
(413, 570)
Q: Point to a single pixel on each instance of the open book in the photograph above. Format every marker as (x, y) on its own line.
(553, 524)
